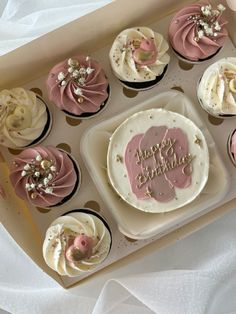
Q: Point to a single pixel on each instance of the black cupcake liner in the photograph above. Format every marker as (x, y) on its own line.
(144, 85)
(47, 126)
(90, 114)
(77, 183)
(199, 60)
(229, 142)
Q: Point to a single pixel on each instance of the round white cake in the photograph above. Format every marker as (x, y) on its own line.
(158, 161)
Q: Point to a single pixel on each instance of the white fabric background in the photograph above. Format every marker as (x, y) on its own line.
(23, 20)
(196, 275)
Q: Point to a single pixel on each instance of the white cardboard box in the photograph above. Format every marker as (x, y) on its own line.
(28, 66)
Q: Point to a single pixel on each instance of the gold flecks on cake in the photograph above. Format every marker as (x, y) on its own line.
(197, 140)
(119, 158)
(148, 192)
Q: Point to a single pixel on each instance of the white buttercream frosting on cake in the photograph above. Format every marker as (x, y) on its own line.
(158, 160)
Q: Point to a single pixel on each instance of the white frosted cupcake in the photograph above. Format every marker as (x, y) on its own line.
(24, 118)
(232, 147)
(217, 88)
(139, 57)
(77, 243)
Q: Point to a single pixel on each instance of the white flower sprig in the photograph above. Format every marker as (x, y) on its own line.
(40, 173)
(77, 73)
(207, 22)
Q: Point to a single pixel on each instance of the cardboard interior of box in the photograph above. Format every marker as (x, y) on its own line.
(35, 59)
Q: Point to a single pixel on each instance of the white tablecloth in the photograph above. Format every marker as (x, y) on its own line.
(195, 275)
(23, 20)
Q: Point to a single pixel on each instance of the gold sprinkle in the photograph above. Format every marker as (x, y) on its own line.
(136, 43)
(197, 141)
(119, 158)
(45, 164)
(33, 196)
(232, 85)
(80, 100)
(229, 74)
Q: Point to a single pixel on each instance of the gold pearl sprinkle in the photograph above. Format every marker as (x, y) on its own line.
(33, 196)
(197, 141)
(119, 158)
(80, 100)
(232, 85)
(136, 43)
(45, 164)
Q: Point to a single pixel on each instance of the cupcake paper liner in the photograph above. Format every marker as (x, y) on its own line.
(88, 115)
(142, 86)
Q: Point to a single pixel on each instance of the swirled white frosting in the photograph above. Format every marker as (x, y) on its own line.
(122, 59)
(58, 238)
(217, 88)
(22, 117)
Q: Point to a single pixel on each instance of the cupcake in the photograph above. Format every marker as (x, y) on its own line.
(232, 147)
(77, 243)
(44, 176)
(197, 32)
(24, 118)
(78, 86)
(138, 58)
(217, 88)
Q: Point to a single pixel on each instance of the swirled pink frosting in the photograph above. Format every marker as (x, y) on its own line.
(93, 89)
(183, 31)
(43, 187)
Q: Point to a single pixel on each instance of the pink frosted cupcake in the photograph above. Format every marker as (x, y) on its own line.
(78, 86)
(197, 32)
(44, 176)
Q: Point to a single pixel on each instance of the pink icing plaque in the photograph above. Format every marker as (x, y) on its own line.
(157, 162)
